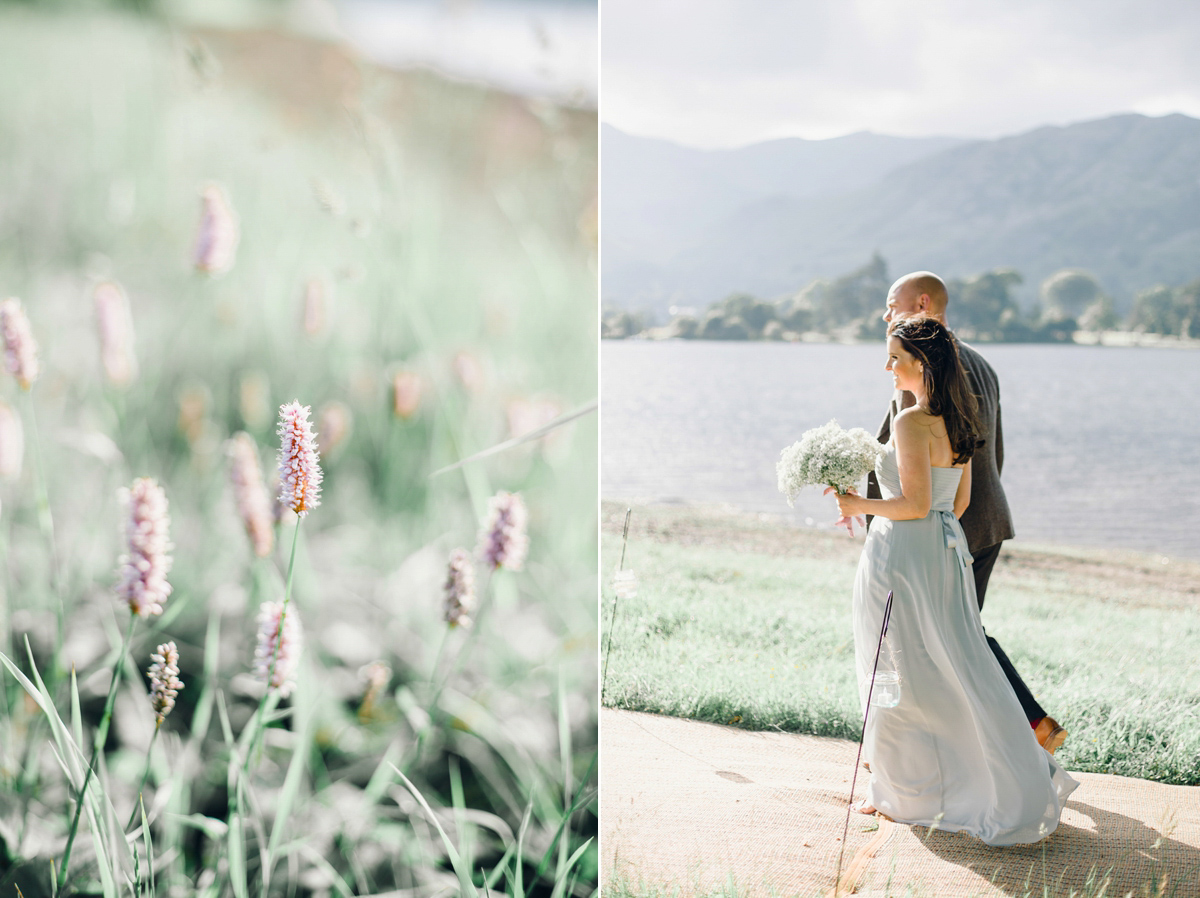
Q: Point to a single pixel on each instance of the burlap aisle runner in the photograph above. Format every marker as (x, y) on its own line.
(691, 804)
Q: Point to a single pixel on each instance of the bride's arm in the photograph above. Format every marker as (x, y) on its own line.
(962, 498)
(916, 477)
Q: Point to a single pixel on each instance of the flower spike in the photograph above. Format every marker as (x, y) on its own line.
(299, 468)
(143, 572)
(218, 235)
(20, 349)
(459, 602)
(503, 541)
(164, 680)
(251, 495)
(286, 659)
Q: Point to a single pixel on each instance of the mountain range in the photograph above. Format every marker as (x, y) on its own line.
(1118, 197)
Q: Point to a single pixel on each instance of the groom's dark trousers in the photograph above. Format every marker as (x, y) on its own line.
(986, 522)
(985, 560)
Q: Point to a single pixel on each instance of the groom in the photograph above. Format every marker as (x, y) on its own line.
(986, 522)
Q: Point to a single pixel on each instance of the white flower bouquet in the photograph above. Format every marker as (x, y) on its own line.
(827, 456)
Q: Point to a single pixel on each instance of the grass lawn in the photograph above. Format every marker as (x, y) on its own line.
(742, 620)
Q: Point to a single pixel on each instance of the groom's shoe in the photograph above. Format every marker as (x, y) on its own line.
(1049, 734)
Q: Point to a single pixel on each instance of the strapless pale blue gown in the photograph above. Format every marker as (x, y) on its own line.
(957, 751)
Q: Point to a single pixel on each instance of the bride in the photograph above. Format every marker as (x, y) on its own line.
(956, 752)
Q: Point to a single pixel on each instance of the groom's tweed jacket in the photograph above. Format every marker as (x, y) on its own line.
(987, 520)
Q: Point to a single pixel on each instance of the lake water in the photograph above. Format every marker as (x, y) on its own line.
(1100, 443)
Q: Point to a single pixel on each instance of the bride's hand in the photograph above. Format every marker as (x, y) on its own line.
(848, 502)
(848, 506)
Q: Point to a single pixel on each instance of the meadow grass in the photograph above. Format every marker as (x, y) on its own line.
(745, 621)
(452, 230)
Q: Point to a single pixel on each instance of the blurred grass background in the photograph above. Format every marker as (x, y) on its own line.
(452, 231)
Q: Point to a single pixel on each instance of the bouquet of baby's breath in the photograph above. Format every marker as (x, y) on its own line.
(827, 456)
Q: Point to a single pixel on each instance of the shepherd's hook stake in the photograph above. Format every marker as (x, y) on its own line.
(613, 618)
(887, 613)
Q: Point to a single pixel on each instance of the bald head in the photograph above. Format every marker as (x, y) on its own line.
(918, 293)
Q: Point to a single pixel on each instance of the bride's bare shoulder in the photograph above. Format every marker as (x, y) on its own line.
(911, 426)
(914, 417)
(916, 426)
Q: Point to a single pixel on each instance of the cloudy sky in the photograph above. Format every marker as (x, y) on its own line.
(721, 73)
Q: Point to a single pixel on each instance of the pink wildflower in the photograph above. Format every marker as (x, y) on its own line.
(143, 572)
(406, 394)
(299, 470)
(253, 503)
(503, 541)
(164, 680)
(217, 240)
(116, 333)
(459, 601)
(286, 658)
(20, 349)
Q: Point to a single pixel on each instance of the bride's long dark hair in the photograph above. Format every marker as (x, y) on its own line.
(947, 390)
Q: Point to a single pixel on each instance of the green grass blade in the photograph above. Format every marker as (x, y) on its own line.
(501, 868)
(382, 777)
(235, 842)
(149, 844)
(102, 817)
(581, 799)
(461, 871)
(236, 850)
(564, 750)
(458, 803)
(560, 883)
(76, 716)
(223, 715)
(96, 802)
(537, 434)
(327, 868)
(255, 730)
(211, 827)
(519, 891)
(287, 797)
(33, 691)
(61, 763)
(493, 731)
(90, 807)
(103, 863)
(39, 694)
(204, 704)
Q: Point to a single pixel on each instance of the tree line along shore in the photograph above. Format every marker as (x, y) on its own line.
(1072, 306)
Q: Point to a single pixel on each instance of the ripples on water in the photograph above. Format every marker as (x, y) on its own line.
(1100, 442)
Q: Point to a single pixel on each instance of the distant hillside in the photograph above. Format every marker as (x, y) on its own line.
(660, 198)
(1119, 197)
